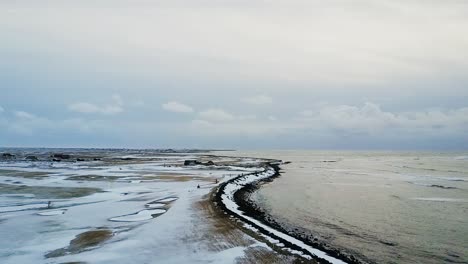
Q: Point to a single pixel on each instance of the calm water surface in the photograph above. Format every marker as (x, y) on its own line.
(388, 207)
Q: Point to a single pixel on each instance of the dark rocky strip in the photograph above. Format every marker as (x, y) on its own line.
(242, 199)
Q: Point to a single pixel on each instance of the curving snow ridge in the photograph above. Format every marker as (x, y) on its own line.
(140, 216)
(167, 200)
(227, 198)
(155, 205)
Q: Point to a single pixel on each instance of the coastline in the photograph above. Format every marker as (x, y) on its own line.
(139, 201)
(233, 198)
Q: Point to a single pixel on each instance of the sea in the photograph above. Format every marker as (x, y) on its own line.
(379, 206)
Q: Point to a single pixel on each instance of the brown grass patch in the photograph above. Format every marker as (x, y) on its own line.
(82, 242)
(45, 192)
(24, 174)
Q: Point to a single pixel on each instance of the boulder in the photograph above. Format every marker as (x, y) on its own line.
(209, 163)
(196, 162)
(191, 162)
(32, 158)
(8, 156)
(61, 156)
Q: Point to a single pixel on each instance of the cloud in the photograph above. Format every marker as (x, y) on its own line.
(88, 108)
(354, 122)
(1, 109)
(25, 123)
(177, 107)
(322, 51)
(372, 120)
(24, 115)
(258, 100)
(375, 37)
(234, 127)
(117, 99)
(22, 123)
(216, 115)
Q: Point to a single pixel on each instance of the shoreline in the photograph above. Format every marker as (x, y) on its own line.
(233, 198)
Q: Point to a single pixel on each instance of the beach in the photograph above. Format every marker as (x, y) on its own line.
(167, 206)
(122, 206)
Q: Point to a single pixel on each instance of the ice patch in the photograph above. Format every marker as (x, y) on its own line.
(52, 212)
(168, 200)
(19, 195)
(439, 199)
(140, 216)
(155, 205)
(23, 207)
(451, 178)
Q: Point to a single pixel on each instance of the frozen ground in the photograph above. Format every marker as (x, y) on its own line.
(139, 209)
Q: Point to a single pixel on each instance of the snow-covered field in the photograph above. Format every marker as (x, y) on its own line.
(114, 211)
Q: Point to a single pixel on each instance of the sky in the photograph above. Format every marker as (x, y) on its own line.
(271, 74)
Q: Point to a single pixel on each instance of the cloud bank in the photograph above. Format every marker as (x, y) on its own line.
(88, 108)
(177, 107)
(258, 100)
(235, 74)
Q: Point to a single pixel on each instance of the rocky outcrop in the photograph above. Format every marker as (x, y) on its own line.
(196, 162)
(191, 162)
(31, 158)
(61, 156)
(209, 163)
(8, 156)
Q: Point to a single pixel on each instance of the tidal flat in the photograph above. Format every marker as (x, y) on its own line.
(123, 206)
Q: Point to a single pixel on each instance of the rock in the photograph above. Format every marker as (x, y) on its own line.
(32, 158)
(80, 159)
(8, 156)
(61, 156)
(196, 162)
(191, 162)
(168, 151)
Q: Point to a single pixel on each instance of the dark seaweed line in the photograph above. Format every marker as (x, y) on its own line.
(252, 211)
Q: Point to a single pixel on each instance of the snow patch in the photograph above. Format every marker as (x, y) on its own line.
(52, 212)
(140, 216)
(439, 199)
(168, 200)
(23, 207)
(155, 205)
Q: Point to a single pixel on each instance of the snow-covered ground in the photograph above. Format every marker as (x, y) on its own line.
(148, 208)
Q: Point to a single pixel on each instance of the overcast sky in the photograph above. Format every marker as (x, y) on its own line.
(277, 74)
